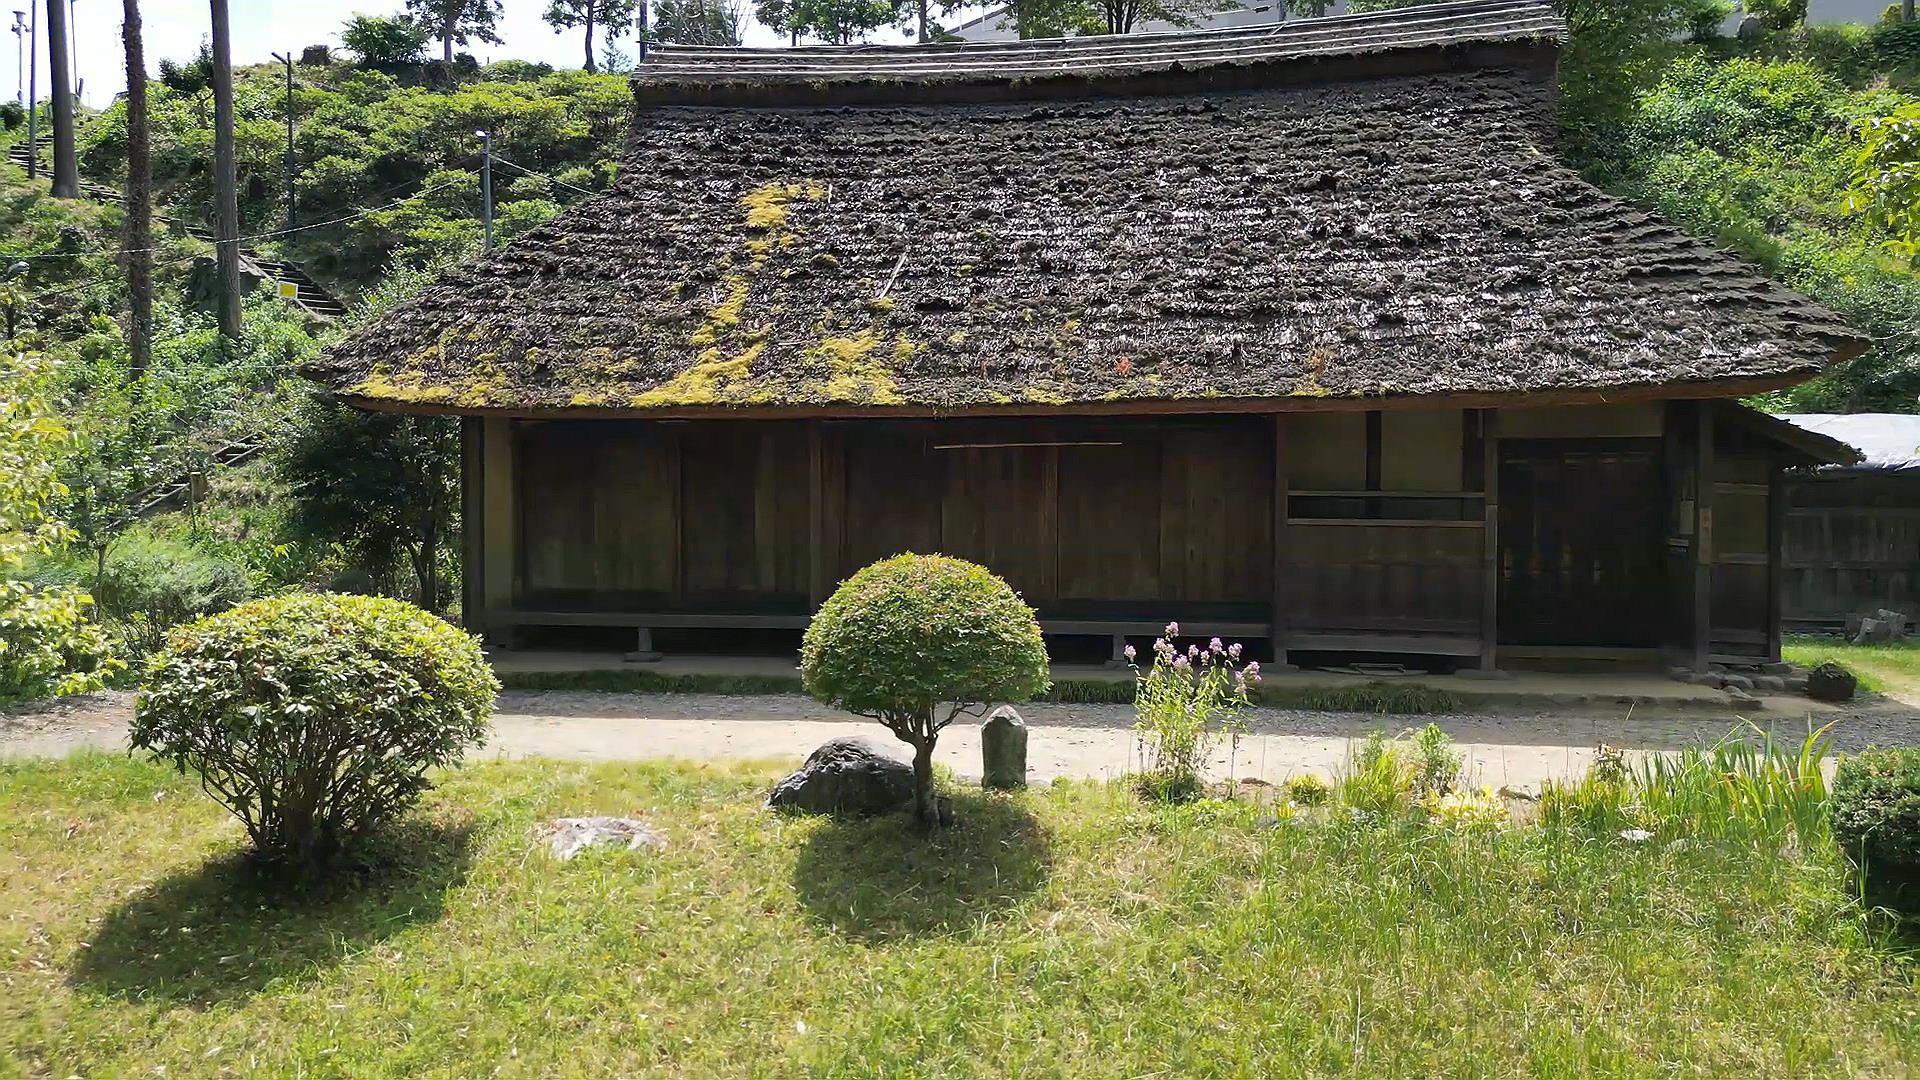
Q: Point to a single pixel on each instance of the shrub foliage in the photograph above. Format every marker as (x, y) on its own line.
(908, 635)
(1876, 819)
(314, 717)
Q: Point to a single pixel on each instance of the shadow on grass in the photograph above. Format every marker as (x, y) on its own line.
(226, 929)
(885, 878)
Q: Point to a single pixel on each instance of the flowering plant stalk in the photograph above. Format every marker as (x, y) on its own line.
(1182, 704)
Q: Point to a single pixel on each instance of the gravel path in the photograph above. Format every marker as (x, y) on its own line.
(1518, 749)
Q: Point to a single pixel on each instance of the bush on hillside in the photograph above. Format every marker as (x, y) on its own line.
(152, 585)
(314, 717)
(48, 645)
(1876, 821)
(915, 640)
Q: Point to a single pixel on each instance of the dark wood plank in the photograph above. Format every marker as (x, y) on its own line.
(473, 548)
(1490, 542)
(1702, 537)
(816, 516)
(1278, 616)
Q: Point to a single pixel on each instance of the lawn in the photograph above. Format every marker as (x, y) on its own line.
(1065, 931)
(1892, 668)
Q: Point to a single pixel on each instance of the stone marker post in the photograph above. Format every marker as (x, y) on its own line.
(1003, 750)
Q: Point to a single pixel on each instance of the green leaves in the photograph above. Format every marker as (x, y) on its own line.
(314, 717)
(48, 646)
(912, 632)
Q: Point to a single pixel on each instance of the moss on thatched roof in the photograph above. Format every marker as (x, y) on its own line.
(1404, 235)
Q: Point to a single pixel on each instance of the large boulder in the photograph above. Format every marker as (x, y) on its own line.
(1831, 682)
(845, 776)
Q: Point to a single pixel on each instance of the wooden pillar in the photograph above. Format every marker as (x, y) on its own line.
(1490, 539)
(1703, 535)
(500, 515)
(1776, 555)
(1277, 618)
(473, 558)
(816, 516)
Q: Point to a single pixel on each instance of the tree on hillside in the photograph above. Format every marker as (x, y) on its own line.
(139, 231)
(837, 22)
(697, 22)
(567, 14)
(384, 41)
(1122, 15)
(778, 15)
(457, 22)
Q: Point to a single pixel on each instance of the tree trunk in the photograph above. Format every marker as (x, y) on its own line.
(66, 165)
(227, 188)
(923, 22)
(139, 236)
(1906, 10)
(590, 66)
(923, 780)
(447, 29)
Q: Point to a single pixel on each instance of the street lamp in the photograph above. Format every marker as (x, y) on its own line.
(20, 56)
(288, 60)
(486, 189)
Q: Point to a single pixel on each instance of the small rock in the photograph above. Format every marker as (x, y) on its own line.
(847, 775)
(1680, 674)
(569, 836)
(1896, 622)
(1769, 682)
(1519, 793)
(1707, 678)
(1777, 668)
(1737, 682)
(1797, 683)
(1003, 750)
(1831, 682)
(1740, 699)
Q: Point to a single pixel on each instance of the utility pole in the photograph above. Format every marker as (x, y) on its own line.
(226, 183)
(33, 94)
(640, 24)
(486, 190)
(1906, 10)
(292, 217)
(66, 165)
(139, 242)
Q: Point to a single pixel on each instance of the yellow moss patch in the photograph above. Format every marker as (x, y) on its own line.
(724, 316)
(712, 380)
(852, 374)
(767, 204)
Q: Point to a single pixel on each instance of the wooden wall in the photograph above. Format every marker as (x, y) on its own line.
(1852, 545)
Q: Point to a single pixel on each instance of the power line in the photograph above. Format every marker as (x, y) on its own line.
(544, 176)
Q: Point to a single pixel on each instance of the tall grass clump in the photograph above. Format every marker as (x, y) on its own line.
(1745, 788)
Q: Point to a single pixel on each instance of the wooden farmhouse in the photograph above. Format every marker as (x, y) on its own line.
(1296, 332)
(1852, 542)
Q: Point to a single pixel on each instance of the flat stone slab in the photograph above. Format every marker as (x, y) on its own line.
(569, 836)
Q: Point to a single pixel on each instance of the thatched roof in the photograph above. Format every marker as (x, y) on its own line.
(1316, 214)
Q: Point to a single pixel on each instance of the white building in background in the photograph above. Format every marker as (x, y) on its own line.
(995, 25)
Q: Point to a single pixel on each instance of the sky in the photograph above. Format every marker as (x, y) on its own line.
(173, 28)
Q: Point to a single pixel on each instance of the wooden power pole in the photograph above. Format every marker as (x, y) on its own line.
(139, 235)
(66, 166)
(226, 230)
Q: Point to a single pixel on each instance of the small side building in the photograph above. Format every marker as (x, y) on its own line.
(1297, 332)
(1853, 530)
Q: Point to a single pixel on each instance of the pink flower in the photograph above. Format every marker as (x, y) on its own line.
(1233, 651)
(1128, 651)
(1179, 663)
(1173, 629)
(1214, 646)
(1252, 670)
(1193, 652)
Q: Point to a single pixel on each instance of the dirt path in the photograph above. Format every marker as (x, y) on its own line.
(1067, 740)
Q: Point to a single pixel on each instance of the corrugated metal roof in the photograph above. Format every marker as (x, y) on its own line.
(1886, 441)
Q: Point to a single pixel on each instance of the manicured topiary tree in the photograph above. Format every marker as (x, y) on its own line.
(915, 641)
(312, 717)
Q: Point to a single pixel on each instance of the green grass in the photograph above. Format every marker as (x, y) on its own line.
(1890, 668)
(1374, 697)
(1062, 931)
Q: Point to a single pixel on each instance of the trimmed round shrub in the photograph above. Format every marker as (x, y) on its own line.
(1876, 821)
(314, 717)
(916, 640)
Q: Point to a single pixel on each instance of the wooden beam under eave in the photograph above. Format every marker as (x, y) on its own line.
(1685, 391)
(1703, 539)
(816, 517)
(473, 547)
(1490, 539)
(1277, 618)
